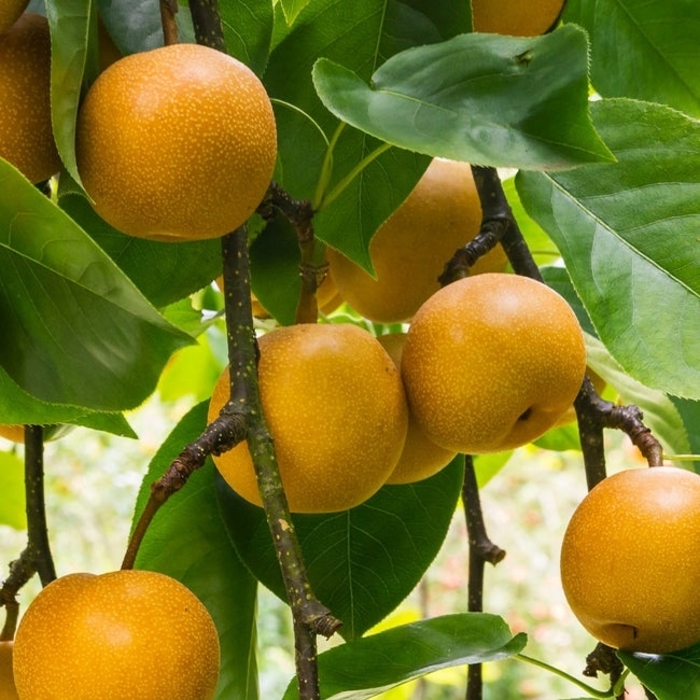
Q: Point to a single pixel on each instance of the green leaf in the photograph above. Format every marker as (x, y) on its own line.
(248, 31)
(12, 511)
(661, 414)
(646, 50)
(69, 21)
(187, 541)
(689, 412)
(75, 329)
(274, 269)
(362, 562)
(502, 101)
(365, 667)
(135, 25)
(628, 234)
(370, 198)
(292, 8)
(17, 407)
(540, 244)
(163, 272)
(359, 35)
(670, 676)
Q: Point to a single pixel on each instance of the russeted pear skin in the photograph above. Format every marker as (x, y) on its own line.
(515, 17)
(630, 563)
(26, 133)
(336, 409)
(178, 143)
(8, 691)
(131, 634)
(491, 362)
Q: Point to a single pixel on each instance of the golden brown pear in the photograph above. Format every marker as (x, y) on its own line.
(410, 249)
(336, 410)
(492, 362)
(10, 11)
(8, 691)
(629, 560)
(126, 634)
(515, 17)
(420, 457)
(26, 135)
(175, 144)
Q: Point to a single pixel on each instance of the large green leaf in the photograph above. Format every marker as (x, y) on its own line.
(661, 414)
(628, 234)
(187, 541)
(641, 49)
(70, 22)
(365, 667)
(18, 407)
(362, 562)
(502, 101)
(75, 329)
(670, 676)
(359, 35)
(274, 269)
(12, 510)
(163, 272)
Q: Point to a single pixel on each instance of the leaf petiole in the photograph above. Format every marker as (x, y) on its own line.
(593, 692)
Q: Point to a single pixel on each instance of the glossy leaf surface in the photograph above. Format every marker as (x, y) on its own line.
(628, 234)
(366, 667)
(500, 101)
(671, 676)
(75, 329)
(646, 50)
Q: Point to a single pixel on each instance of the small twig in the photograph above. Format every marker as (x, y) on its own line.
(313, 267)
(481, 551)
(37, 530)
(21, 571)
(603, 659)
(221, 435)
(498, 225)
(590, 427)
(207, 24)
(168, 10)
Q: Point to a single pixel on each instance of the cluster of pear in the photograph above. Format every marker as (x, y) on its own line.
(488, 363)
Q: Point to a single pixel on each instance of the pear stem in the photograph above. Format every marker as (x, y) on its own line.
(168, 10)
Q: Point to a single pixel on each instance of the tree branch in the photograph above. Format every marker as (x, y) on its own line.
(497, 225)
(310, 616)
(481, 551)
(313, 268)
(207, 24)
(37, 530)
